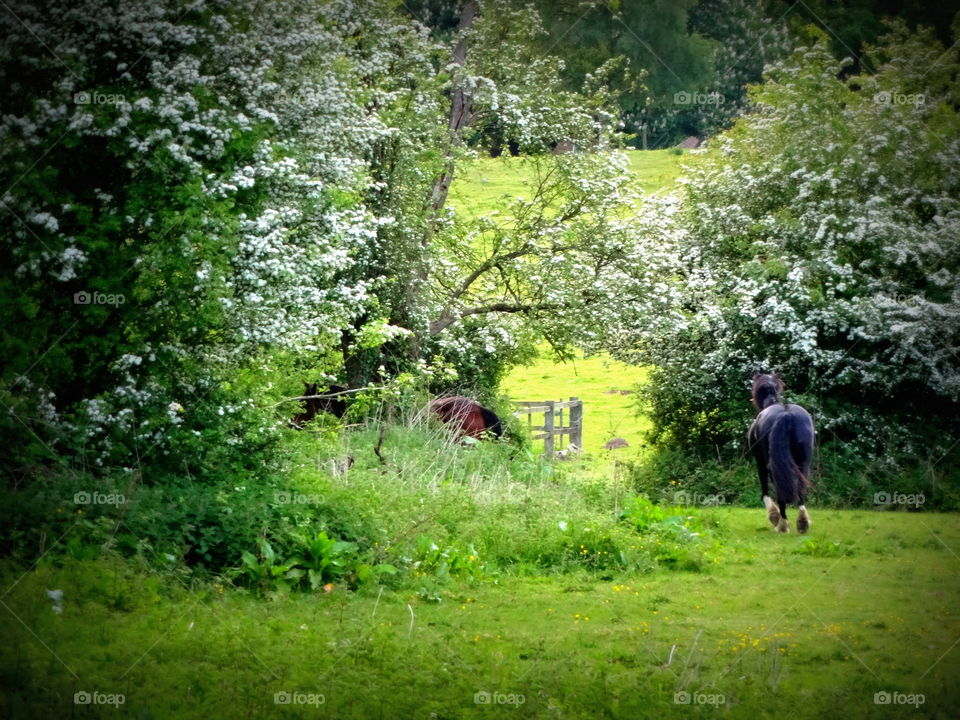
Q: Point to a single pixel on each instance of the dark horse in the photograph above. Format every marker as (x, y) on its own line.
(466, 417)
(781, 439)
(332, 403)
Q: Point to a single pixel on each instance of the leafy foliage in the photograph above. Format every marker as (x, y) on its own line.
(818, 239)
(193, 211)
(321, 562)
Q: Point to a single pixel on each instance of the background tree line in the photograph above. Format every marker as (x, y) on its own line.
(711, 47)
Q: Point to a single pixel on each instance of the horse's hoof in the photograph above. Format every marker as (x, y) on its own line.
(783, 526)
(803, 521)
(773, 514)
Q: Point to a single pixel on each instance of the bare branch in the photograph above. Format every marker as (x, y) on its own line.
(448, 319)
(327, 396)
(461, 113)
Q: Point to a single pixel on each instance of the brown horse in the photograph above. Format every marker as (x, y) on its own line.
(466, 417)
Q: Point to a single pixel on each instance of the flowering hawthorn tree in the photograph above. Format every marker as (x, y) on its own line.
(181, 196)
(476, 292)
(819, 239)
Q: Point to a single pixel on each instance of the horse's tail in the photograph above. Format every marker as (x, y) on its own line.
(492, 421)
(783, 466)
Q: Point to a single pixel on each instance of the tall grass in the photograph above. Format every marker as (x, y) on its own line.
(412, 490)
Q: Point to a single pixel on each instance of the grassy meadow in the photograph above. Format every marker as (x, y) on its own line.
(489, 182)
(860, 611)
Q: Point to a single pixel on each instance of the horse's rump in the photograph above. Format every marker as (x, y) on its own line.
(466, 416)
(492, 421)
(788, 435)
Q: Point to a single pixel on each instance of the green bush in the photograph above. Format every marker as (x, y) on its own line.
(321, 561)
(838, 269)
(676, 538)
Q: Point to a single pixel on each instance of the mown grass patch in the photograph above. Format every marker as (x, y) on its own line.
(765, 632)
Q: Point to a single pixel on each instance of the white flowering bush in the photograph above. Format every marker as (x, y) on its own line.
(183, 194)
(819, 239)
(515, 88)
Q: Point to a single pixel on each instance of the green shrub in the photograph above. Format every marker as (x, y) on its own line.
(838, 269)
(676, 538)
(321, 561)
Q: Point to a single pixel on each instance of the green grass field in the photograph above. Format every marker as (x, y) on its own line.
(488, 182)
(599, 382)
(778, 626)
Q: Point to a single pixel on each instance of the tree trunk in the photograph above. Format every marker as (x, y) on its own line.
(460, 116)
(460, 113)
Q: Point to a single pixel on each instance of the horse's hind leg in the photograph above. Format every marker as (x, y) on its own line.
(803, 458)
(783, 526)
(803, 519)
(763, 470)
(773, 514)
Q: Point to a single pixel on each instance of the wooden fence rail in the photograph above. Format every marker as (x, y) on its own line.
(553, 422)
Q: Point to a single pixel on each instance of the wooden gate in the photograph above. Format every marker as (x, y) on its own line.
(554, 412)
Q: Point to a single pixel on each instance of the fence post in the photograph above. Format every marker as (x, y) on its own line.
(576, 423)
(548, 431)
(563, 443)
